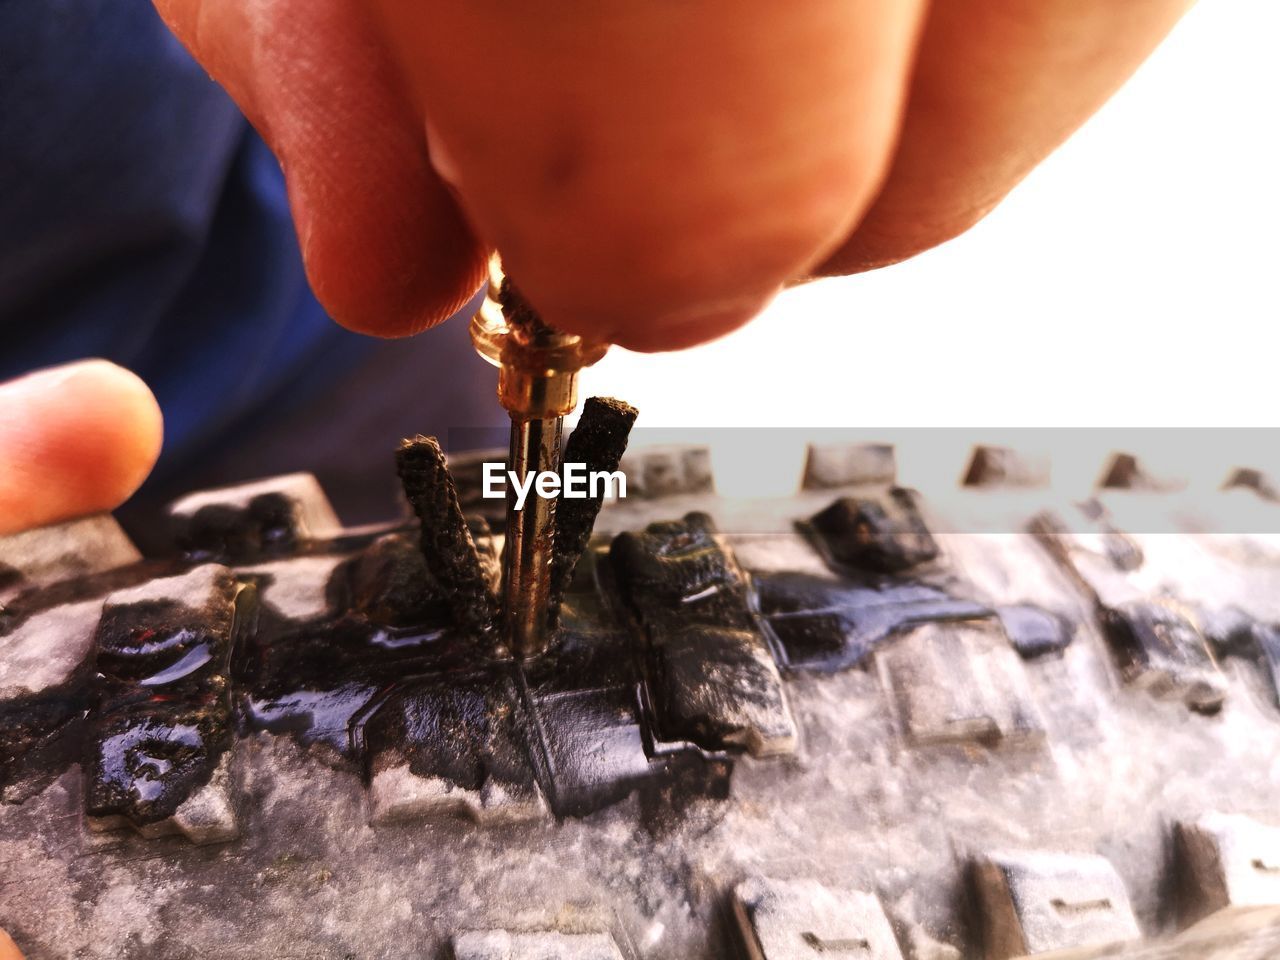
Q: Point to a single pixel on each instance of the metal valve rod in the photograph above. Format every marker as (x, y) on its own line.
(537, 386)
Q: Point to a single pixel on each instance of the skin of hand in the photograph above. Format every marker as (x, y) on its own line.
(74, 440)
(653, 173)
(8, 949)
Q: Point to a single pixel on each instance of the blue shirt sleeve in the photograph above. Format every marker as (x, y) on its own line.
(143, 220)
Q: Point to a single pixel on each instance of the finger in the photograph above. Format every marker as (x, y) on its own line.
(8, 949)
(998, 85)
(654, 172)
(386, 248)
(74, 440)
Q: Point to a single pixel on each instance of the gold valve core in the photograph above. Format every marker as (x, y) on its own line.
(537, 385)
(538, 366)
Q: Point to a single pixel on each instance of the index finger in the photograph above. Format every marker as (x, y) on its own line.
(74, 440)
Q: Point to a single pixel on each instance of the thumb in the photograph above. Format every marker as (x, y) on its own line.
(74, 440)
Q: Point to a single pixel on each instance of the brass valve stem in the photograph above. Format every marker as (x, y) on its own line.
(526, 561)
(537, 385)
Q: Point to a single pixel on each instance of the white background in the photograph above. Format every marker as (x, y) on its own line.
(1131, 280)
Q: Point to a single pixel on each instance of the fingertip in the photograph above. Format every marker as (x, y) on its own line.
(386, 249)
(394, 306)
(77, 439)
(394, 278)
(123, 413)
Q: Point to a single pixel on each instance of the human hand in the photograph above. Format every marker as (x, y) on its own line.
(652, 172)
(74, 440)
